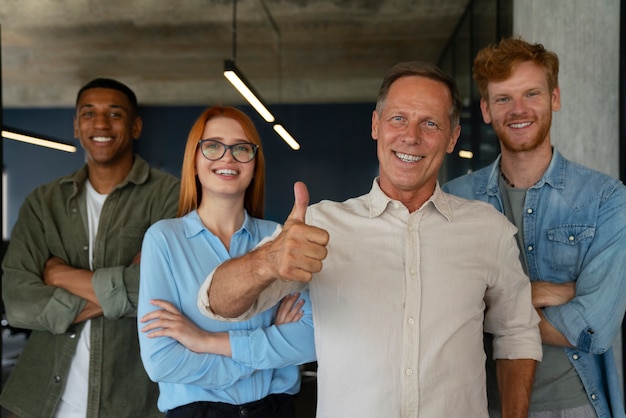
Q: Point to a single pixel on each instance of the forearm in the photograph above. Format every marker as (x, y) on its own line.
(79, 284)
(75, 280)
(552, 294)
(237, 284)
(546, 294)
(90, 311)
(515, 382)
(550, 335)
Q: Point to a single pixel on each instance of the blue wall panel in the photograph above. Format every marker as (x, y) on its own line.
(337, 159)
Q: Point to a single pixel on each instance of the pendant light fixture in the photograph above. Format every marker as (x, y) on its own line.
(245, 88)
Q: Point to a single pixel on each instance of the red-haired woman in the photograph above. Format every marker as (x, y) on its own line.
(208, 368)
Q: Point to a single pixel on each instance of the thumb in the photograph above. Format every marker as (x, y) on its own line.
(301, 201)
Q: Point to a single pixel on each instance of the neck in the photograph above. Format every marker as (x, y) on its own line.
(104, 178)
(524, 169)
(413, 199)
(222, 218)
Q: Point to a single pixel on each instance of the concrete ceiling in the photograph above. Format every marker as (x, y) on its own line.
(171, 52)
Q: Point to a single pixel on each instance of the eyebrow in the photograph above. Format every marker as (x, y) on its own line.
(110, 106)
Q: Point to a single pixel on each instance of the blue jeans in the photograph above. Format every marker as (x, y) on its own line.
(272, 406)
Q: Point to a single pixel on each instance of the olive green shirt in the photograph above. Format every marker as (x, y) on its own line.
(53, 222)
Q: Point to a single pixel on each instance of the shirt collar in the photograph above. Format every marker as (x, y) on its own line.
(194, 225)
(379, 201)
(139, 173)
(554, 174)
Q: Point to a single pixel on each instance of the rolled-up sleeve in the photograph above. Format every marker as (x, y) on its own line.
(510, 315)
(593, 318)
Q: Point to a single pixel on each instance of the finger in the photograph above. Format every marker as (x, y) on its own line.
(290, 309)
(152, 326)
(150, 316)
(295, 314)
(302, 233)
(301, 201)
(285, 306)
(165, 305)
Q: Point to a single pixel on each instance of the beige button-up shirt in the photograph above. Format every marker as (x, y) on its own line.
(402, 301)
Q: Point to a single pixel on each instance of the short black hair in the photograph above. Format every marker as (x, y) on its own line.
(109, 83)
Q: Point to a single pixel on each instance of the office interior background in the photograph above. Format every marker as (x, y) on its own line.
(337, 158)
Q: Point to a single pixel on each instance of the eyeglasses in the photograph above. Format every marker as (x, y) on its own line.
(213, 150)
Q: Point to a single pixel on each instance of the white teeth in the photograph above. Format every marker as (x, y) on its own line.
(102, 138)
(520, 125)
(408, 158)
(226, 172)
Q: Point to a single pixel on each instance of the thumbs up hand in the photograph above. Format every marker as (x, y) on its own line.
(298, 251)
(300, 202)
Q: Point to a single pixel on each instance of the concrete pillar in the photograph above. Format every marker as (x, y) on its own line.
(585, 35)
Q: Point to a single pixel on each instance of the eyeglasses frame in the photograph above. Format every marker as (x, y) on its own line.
(255, 147)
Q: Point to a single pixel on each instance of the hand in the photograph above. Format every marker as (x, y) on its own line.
(552, 294)
(136, 258)
(290, 309)
(298, 251)
(169, 322)
(53, 270)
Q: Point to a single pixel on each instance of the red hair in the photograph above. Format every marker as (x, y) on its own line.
(497, 62)
(190, 189)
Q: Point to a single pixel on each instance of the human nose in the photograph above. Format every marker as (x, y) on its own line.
(101, 120)
(228, 153)
(413, 133)
(518, 106)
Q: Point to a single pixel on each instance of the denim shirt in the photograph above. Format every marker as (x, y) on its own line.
(574, 230)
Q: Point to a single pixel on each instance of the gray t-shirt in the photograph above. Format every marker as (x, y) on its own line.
(557, 385)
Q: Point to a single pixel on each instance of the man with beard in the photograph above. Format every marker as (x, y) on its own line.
(571, 233)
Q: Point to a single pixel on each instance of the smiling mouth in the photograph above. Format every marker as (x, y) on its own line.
(408, 158)
(226, 172)
(520, 125)
(102, 139)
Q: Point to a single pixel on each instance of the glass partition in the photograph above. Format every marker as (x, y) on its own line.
(484, 22)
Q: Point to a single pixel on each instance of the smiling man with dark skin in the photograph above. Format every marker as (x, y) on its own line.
(71, 272)
(398, 295)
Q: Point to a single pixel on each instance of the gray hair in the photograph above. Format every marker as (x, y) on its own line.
(421, 69)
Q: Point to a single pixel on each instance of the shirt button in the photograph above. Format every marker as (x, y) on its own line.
(86, 247)
(529, 210)
(412, 271)
(575, 356)
(396, 205)
(243, 412)
(571, 238)
(593, 396)
(530, 248)
(72, 335)
(57, 379)
(74, 210)
(411, 321)
(408, 372)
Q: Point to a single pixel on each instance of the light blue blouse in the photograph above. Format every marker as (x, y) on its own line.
(177, 255)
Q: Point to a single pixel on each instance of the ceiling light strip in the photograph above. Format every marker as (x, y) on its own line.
(239, 81)
(280, 130)
(38, 141)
